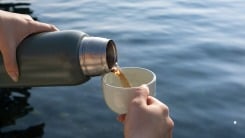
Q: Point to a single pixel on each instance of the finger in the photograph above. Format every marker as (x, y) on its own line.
(155, 103)
(152, 100)
(171, 126)
(26, 16)
(121, 118)
(140, 96)
(37, 27)
(10, 63)
(168, 135)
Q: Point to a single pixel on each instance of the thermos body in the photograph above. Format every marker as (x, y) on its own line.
(60, 58)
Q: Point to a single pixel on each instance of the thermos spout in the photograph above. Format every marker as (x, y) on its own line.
(97, 55)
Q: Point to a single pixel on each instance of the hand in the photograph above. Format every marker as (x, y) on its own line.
(147, 117)
(13, 29)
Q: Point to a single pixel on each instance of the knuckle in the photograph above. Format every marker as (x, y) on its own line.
(165, 110)
(170, 123)
(53, 27)
(29, 26)
(27, 17)
(135, 103)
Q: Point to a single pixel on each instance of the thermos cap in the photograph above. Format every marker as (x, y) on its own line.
(97, 55)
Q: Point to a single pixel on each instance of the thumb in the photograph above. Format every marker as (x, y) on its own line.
(10, 63)
(140, 96)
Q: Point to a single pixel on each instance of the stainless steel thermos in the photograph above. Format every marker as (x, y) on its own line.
(60, 58)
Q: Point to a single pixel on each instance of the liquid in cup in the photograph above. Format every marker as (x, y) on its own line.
(120, 75)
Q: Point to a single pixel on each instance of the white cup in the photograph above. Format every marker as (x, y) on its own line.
(117, 97)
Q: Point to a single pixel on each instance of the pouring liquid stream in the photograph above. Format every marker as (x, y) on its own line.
(123, 80)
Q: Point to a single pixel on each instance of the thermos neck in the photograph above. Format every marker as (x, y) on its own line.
(97, 55)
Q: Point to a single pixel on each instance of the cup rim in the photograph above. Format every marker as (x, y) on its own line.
(152, 80)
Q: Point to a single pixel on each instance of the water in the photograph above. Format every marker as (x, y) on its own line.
(196, 48)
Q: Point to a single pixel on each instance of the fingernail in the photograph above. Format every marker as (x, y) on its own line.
(14, 76)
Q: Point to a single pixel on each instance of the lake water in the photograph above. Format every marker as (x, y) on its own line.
(195, 47)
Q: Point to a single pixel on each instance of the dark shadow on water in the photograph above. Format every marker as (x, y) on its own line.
(14, 101)
(14, 105)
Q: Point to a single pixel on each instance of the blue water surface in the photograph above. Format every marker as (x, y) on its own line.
(195, 47)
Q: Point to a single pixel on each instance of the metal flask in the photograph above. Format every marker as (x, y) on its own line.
(60, 58)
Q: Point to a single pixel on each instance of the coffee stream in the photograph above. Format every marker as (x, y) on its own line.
(123, 80)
